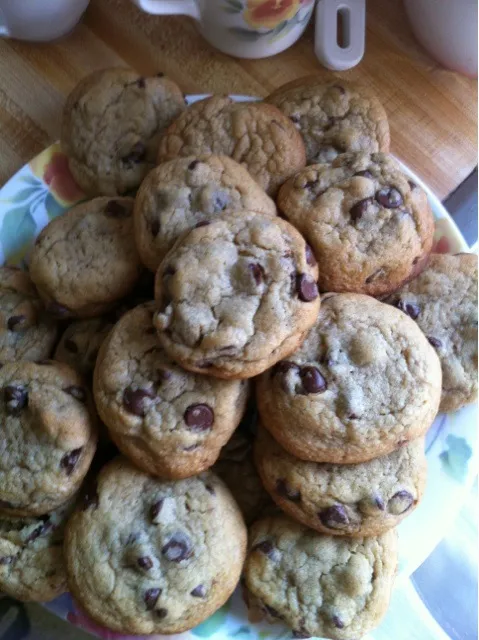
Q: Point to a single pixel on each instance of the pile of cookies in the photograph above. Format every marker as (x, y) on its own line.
(263, 309)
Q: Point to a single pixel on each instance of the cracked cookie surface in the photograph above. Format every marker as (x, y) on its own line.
(371, 229)
(182, 193)
(86, 260)
(48, 436)
(333, 117)
(236, 296)
(169, 421)
(32, 567)
(318, 585)
(147, 556)
(257, 135)
(112, 122)
(443, 302)
(363, 499)
(364, 382)
(26, 331)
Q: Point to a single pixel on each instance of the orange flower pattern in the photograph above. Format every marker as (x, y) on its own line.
(268, 14)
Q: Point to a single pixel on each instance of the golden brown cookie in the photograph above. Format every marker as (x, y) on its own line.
(112, 121)
(257, 135)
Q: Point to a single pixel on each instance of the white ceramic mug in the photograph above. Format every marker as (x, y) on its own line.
(39, 20)
(241, 28)
(448, 30)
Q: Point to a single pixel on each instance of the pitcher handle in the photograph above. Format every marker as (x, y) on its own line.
(170, 7)
(349, 17)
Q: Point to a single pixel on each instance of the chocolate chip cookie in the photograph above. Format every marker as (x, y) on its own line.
(365, 382)
(363, 499)
(318, 585)
(86, 260)
(31, 556)
(236, 468)
(26, 331)
(169, 421)
(111, 126)
(148, 556)
(236, 296)
(257, 135)
(333, 116)
(48, 436)
(443, 302)
(371, 229)
(81, 341)
(182, 193)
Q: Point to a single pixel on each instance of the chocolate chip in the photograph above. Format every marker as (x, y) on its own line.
(16, 323)
(137, 401)
(193, 165)
(114, 209)
(300, 634)
(70, 345)
(284, 490)
(364, 174)
(199, 591)
(204, 364)
(310, 257)
(312, 380)
(161, 613)
(339, 88)
(90, 499)
(379, 502)
(178, 548)
(416, 260)
(266, 547)
(359, 209)
(435, 342)
(192, 447)
(400, 502)
(257, 272)
(69, 460)
(58, 310)
(283, 367)
(410, 308)
(203, 223)
(145, 562)
(338, 622)
(155, 227)
(79, 393)
(334, 517)
(295, 118)
(412, 185)
(310, 185)
(156, 508)
(136, 155)
(210, 489)
(389, 197)
(199, 417)
(141, 83)
(16, 399)
(6, 560)
(306, 287)
(151, 597)
(169, 270)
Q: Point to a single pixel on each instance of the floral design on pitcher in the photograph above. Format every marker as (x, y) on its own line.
(272, 19)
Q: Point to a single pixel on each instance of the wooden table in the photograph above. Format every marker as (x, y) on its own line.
(432, 111)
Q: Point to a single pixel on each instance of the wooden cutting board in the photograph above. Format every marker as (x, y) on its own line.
(432, 111)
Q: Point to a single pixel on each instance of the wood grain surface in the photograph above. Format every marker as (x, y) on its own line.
(432, 111)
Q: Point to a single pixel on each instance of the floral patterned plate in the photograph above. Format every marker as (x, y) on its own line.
(44, 189)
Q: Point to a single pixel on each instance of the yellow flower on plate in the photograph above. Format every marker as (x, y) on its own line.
(268, 14)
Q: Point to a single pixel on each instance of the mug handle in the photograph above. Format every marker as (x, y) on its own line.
(170, 7)
(343, 20)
